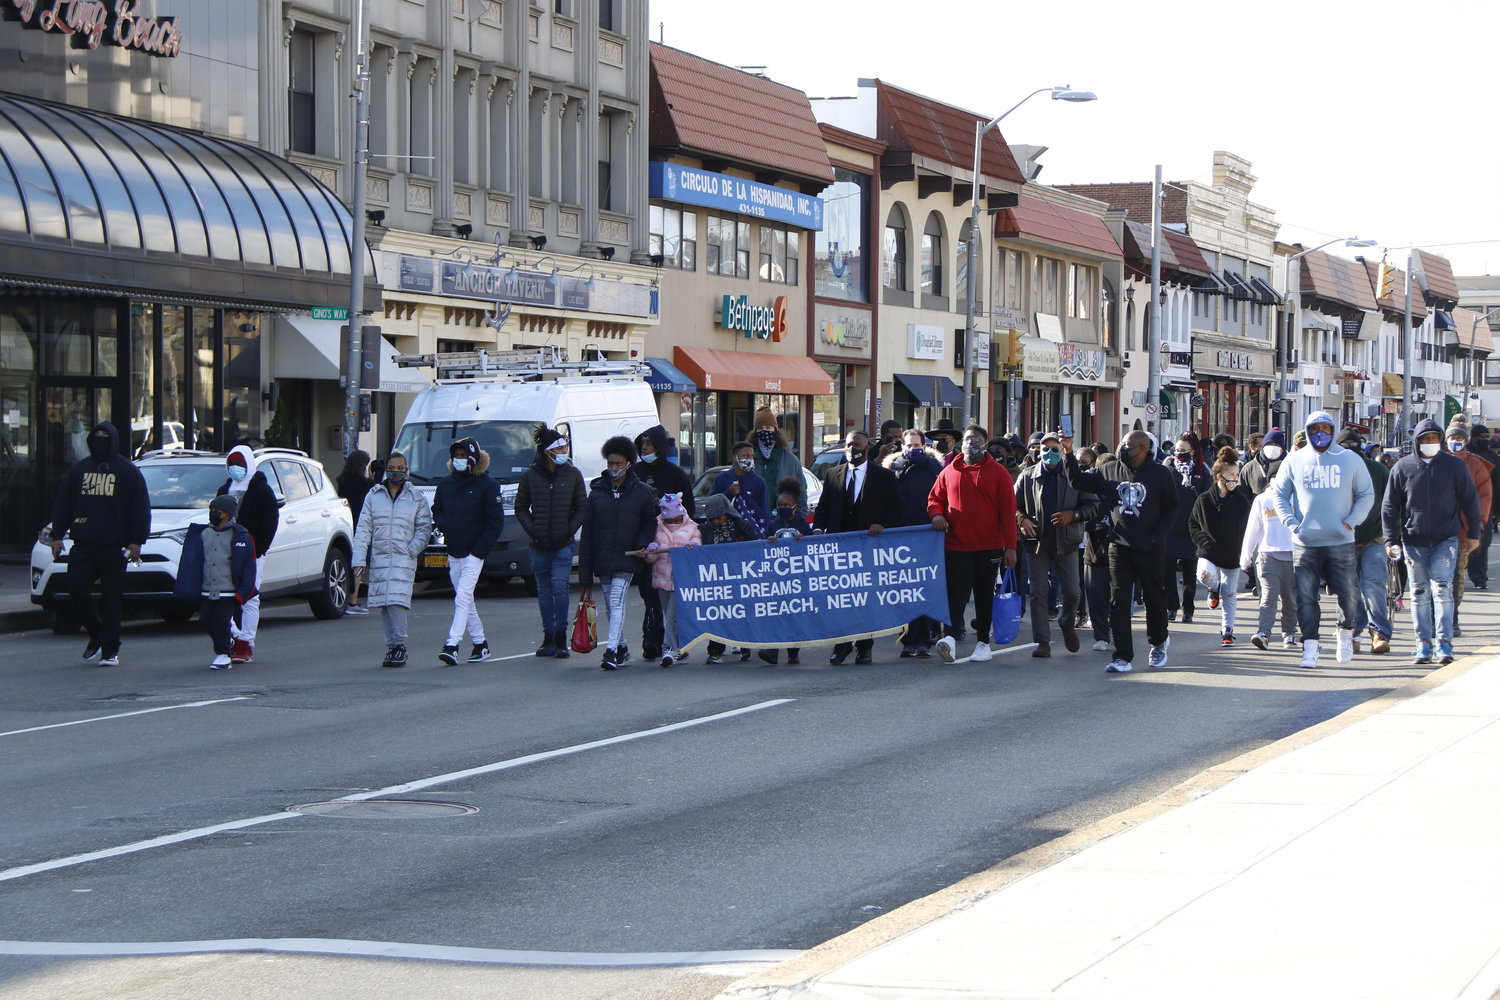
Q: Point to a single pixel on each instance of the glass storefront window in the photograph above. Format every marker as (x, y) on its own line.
(840, 267)
(204, 428)
(241, 379)
(827, 415)
(68, 342)
(142, 377)
(174, 389)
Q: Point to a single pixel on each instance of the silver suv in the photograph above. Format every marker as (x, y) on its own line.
(309, 558)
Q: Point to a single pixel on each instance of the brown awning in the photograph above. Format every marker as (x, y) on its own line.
(1057, 225)
(743, 371)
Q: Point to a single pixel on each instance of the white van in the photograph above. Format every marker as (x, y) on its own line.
(499, 404)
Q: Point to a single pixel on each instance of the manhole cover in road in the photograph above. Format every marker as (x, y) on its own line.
(384, 809)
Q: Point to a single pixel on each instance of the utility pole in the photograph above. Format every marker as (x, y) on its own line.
(1407, 360)
(352, 363)
(1153, 333)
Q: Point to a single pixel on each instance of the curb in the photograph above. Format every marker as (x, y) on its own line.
(22, 620)
(797, 976)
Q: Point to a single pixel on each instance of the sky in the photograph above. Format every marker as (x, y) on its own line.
(1367, 119)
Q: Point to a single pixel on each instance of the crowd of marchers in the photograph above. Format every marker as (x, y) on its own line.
(1093, 535)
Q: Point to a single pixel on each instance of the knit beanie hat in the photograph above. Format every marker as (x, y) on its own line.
(1275, 436)
(764, 418)
(226, 503)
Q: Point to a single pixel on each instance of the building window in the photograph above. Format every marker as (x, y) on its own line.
(840, 262)
(303, 109)
(728, 246)
(779, 257)
(611, 193)
(563, 7)
(1046, 279)
(1080, 291)
(674, 235)
(419, 121)
(463, 126)
(893, 252)
(380, 106)
(961, 270)
(607, 15)
(932, 255)
(1013, 293)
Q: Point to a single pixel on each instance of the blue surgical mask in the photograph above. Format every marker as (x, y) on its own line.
(238, 472)
(561, 458)
(460, 465)
(786, 513)
(648, 459)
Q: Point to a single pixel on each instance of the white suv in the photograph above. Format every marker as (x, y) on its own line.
(310, 556)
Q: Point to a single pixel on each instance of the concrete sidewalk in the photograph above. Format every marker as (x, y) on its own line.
(1359, 859)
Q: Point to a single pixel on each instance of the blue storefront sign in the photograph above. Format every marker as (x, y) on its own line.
(826, 588)
(691, 186)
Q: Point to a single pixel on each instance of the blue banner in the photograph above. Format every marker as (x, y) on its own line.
(691, 186)
(825, 588)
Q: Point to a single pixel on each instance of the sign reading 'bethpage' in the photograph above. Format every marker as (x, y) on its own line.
(824, 588)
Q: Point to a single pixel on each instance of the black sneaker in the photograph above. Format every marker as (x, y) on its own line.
(449, 655)
(793, 657)
(769, 656)
(622, 656)
(907, 652)
(609, 663)
(744, 655)
(480, 653)
(390, 651)
(91, 651)
(547, 647)
(560, 646)
(713, 658)
(395, 657)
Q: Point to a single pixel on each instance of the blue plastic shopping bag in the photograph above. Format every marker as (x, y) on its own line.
(1005, 613)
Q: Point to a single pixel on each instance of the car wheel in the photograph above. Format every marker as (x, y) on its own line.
(64, 622)
(333, 594)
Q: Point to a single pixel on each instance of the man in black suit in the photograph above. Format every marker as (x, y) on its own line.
(858, 495)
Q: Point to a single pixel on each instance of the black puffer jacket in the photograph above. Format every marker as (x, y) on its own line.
(103, 501)
(549, 505)
(661, 475)
(259, 512)
(1218, 525)
(467, 509)
(615, 521)
(914, 481)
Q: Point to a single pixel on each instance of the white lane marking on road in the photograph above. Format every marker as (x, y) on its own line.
(123, 715)
(393, 949)
(411, 786)
(997, 652)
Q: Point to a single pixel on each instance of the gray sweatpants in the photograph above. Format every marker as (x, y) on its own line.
(668, 618)
(1276, 581)
(393, 617)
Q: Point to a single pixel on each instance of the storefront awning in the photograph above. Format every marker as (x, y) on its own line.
(665, 377)
(932, 390)
(101, 200)
(311, 349)
(1314, 320)
(742, 371)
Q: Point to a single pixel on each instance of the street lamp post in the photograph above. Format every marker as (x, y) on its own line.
(974, 265)
(1293, 303)
(354, 357)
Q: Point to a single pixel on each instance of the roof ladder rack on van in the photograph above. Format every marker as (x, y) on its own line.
(537, 365)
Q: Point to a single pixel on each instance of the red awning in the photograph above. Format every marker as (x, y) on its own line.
(743, 371)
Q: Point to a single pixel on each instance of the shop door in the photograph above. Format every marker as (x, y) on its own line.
(70, 408)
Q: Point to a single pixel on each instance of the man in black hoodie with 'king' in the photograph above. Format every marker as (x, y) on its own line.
(105, 508)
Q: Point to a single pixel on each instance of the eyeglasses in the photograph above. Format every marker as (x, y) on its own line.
(1183, 456)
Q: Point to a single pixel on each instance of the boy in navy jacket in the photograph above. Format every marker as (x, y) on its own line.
(218, 568)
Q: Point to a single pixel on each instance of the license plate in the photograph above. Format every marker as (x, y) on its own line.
(437, 560)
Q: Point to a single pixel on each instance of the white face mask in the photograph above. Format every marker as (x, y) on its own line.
(1430, 449)
(1272, 452)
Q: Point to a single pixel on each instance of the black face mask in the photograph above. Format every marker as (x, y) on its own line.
(1124, 455)
(99, 448)
(856, 456)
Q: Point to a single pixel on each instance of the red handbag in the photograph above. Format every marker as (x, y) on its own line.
(584, 636)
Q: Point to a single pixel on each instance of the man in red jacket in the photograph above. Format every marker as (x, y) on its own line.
(974, 501)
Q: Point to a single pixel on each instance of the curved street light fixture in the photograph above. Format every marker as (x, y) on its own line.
(1294, 298)
(980, 128)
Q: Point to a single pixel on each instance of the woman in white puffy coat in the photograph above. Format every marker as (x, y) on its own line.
(394, 527)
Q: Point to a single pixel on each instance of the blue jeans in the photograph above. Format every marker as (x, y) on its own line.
(1431, 568)
(552, 569)
(1312, 566)
(1371, 611)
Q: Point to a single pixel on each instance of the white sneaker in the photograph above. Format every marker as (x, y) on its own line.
(221, 662)
(1289, 642)
(1344, 651)
(1310, 653)
(1101, 645)
(947, 648)
(981, 652)
(1158, 657)
(1118, 667)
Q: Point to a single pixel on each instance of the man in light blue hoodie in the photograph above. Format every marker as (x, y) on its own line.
(1321, 493)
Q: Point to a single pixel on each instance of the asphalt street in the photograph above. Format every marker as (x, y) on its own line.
(702, 816)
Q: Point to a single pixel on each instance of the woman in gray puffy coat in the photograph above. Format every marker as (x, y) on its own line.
(394, 527)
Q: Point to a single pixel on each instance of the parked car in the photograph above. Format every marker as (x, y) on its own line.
(826, 459)
(811, 483)
(309, 558)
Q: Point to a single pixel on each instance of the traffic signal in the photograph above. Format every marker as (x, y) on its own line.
(1013, 352)
(1385, 279)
